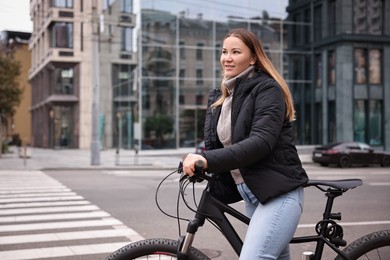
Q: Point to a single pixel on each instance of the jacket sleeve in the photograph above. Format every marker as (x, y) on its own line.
(266, 106)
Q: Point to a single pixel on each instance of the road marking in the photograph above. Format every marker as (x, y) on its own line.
(61, 251)
(32, 195)
(57, 225)
(42, 199)
(59, 236)
(47, 189)
(35, 208)
(46, 210)
(43, 204)
(40, 217)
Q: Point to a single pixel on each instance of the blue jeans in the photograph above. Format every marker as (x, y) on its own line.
(272, 225)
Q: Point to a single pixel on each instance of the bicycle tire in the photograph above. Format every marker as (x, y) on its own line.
(370, 246)
(165, 248)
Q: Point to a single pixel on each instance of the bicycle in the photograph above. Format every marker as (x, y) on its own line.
(328, 232)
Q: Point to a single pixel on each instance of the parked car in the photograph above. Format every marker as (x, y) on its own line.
(200, 148)
(346, 154)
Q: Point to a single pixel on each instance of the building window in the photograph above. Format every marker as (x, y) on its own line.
(63, 3)
(182, 74)
(217, 73)
(332, 122)
(218, 51)
(182, 99)
(122, 80)
(332, 18)
(317, 22)
(62, 35)
(127, 6)
(182, 50)
(368, 17)
(199, 76)
(360, 66)
(375, 66)
(199, 99)
(64, 82)
(199, 51)
(306, 28)
(359, 124)
(296, 30)
(331, 68)
(318, 62)
(375, 122)
(368, 65)
(368, 122)
(126, 39)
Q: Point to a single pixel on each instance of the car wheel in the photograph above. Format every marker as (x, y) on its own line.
(345, 161)
(386, 162)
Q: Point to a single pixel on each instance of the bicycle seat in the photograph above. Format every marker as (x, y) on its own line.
(337, 184)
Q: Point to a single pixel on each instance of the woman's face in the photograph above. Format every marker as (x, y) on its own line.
(236, 56)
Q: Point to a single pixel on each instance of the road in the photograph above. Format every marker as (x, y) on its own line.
(85, 214)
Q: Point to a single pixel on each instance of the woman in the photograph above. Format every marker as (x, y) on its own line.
(248, 132)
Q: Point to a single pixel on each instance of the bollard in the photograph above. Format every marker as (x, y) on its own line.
(24, 155)
(136, 149)
(117, 157)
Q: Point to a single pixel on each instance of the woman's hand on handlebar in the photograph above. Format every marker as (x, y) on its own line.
(189, 163)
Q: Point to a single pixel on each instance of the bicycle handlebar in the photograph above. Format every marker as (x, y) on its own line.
(199, 173)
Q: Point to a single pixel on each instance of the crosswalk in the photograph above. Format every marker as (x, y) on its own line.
(41, 218)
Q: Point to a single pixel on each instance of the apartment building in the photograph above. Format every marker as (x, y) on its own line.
(74, 56)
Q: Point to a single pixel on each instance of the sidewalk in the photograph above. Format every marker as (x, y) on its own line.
(58, 159)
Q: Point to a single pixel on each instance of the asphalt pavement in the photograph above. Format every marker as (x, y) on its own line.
(42, 218)
(32, 158)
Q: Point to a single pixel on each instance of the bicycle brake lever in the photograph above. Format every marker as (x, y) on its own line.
(180, 168)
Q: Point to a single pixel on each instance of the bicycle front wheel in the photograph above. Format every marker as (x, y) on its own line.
(155, 248)
(372, 246)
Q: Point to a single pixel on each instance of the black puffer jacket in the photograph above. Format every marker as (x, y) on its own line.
(262, 139)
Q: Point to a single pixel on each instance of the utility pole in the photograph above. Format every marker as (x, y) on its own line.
(95, 143)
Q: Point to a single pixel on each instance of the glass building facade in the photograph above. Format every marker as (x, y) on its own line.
(179, 51)
(157, 60)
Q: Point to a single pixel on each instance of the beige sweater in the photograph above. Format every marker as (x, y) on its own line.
(224, 128)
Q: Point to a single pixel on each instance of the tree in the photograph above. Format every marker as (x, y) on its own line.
(161, 124)
(10, 93)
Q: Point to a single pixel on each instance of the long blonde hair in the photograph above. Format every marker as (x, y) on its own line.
(262, 62)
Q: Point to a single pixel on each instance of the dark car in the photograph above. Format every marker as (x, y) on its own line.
(200, 148)
(345, 154)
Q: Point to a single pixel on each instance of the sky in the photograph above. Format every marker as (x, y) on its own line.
(15, 14)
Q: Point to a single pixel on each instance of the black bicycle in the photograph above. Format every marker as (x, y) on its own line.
(371, 246)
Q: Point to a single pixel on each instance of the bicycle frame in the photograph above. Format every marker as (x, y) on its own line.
(211, 208)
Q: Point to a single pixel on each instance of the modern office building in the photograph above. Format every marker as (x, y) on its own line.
(136, 74)
(179, 65)
(18, 126)
(344, 92)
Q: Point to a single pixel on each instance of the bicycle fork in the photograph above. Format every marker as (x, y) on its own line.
(185, 242)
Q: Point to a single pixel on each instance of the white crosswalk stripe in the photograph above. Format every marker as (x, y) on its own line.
(37, 209)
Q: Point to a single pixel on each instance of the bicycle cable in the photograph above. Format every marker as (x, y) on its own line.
(184, 181)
